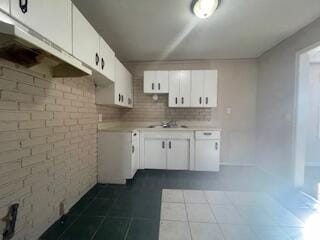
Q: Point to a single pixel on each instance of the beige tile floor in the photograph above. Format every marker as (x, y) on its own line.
(222, 215)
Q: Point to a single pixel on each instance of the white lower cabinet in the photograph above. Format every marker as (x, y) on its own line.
(155, 153)
(207, 151)
(178, 154)
(172, 151)
(118, 156)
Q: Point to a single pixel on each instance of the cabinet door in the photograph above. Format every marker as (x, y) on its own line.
(174, 88)
(178, 154)
(4, 5)
(210, 88)
(207, 156)
(197, 80)
(149, 81)
(118, 84)
(135, 153)
(162, 81)
(51, 19)
(185, 88)
(155, 153)
(85, 41)
(107, 66)
(129, 89)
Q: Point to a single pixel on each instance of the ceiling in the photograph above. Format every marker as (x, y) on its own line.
(149, 30)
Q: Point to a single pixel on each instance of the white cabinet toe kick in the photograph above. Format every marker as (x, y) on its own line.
(121, 154)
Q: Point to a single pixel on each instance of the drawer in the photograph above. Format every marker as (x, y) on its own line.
(208, 134)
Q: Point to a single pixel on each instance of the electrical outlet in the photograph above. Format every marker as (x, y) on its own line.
(229, 110)
(100, 117)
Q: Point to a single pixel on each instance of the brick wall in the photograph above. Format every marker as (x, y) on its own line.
(48, 145)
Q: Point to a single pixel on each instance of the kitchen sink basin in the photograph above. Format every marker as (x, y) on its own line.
(172, 127)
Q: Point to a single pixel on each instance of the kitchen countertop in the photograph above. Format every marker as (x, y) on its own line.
(156, 129)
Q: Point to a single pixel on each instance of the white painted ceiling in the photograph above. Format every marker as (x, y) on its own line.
(146, 30)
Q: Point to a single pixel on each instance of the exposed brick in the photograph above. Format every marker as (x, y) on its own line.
(31, 107)
(6, 146)
(14, 116)
(33, 141)
(54, 108)
(14, 155)
(54, 123)
(41, 115)
(41, 132)
(24, 88)
(31, 124)
(34, 159)
(8, 126)
(41, 149)
(8, 85)
(15, 96)
(17, 76)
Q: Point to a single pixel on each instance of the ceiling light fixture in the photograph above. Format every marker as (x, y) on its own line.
(205, 8)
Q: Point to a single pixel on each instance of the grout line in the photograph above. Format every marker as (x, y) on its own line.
(128, 229)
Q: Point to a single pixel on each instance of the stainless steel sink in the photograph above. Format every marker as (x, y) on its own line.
(169, 127)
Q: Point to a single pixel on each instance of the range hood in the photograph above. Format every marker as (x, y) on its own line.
(22, 46)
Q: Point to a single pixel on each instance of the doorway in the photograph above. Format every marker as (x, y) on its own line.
(307, 124)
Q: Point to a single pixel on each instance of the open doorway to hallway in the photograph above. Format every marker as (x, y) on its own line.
(308, 123)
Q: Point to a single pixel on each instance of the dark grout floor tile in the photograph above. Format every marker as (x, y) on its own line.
(80, 206)
(58, 228)
(143, 229)
(113, 229)
(82, 229)
(98, 208)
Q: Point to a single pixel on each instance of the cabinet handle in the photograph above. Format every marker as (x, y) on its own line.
(176, 100)
(122, 98)
(119, 97)
(23, 6)
(97, 59)
(207, 134)
(152, 86)
(159, 86)
(132, 148)
(207, 100)
(216, 146)
(182, 100)
(170, 145)
(200, 100)
(102, 63)
(163, 144)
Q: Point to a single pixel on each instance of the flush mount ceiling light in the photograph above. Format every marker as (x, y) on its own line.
(205, 8)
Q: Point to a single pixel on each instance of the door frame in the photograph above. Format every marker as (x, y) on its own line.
(299, 130)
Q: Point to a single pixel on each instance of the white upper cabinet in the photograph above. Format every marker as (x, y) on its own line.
(107, 62)
(51, 19)
(210, 88)
(179, 88)
(86, 41)
(204, 88)
(119, 93)
(4, 5)
(156, 81)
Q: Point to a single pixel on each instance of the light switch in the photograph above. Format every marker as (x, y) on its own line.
(228, 110)
(100, 117)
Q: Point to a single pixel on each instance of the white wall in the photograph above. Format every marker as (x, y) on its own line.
(237, 86)
(313, 140)
(276, 102)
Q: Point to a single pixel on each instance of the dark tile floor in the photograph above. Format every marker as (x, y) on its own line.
(132, 211)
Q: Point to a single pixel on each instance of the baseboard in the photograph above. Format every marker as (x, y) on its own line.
(312, 164)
